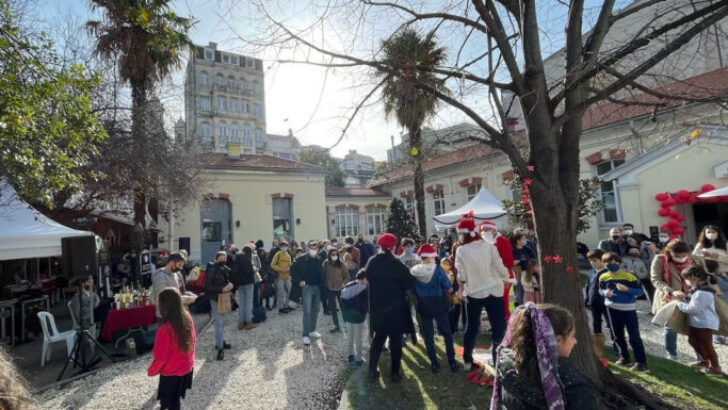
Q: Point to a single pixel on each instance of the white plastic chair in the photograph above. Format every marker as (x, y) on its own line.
(53, 336)
(92, 328)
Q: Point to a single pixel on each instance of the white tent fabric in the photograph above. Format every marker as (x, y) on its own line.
(484, 206)
(714, 193)
(26, 233)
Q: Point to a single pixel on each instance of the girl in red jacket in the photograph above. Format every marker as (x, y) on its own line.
(174, 350)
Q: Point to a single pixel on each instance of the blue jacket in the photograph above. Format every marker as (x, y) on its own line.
(620, 300)
(431, 280)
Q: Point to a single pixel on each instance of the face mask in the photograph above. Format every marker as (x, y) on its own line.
(284, 249)
(446, 268)
(634, 255)
(615, 237)
(613, 267)
(334, 257)
(664, 239)
(680, 260)
(595, 265)
(628, 232)
(409, 250)
(313, 252)
(711, 236)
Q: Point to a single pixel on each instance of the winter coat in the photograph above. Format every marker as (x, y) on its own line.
(593, 298)
(354, 302)
(307, 269)
(519, 393)
(336, 274)
(242, 272)
(662, 288)
(522, 255)
(637, 267)
(216, 278)
(162, 279)
(389, 281)
(281, 263)
(431, 285)
(366, 251)
(620, 248)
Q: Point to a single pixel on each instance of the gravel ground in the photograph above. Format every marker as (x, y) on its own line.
(267, 368)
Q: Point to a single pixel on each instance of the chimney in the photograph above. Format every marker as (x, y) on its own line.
(212, 45)
(233, 149)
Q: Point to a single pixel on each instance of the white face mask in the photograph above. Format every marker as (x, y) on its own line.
(284, 249)
(711, 236)
(680, 260)
(664, 239)
(313, 252)
(628, 232)
(334, 257)
(595, 265)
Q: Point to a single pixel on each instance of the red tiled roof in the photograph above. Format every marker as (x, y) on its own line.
(253, 162)
(707, 85)
(344, 191)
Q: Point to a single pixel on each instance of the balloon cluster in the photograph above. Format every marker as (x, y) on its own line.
(675, 218)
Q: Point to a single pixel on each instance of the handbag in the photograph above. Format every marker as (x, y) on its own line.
(224, 303)
(679, 322)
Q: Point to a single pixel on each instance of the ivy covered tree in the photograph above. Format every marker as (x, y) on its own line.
(321, 157)
(400, 222)
(48, 131)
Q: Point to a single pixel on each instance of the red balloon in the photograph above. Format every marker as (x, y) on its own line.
(683, 194)
(693, 199)
(679, 230)
(661, 196)
(663, 212)
(707, 188)
(679, 218)
(680, 200)
(673, 223)
(668, 203)
(723, 198)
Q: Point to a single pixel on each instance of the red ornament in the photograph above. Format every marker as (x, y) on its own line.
(570, 270)
(668, 203)
(673, 223)
(558, 259)
(707, 188)
(527, 181)
(683, 194)
(661, 196)
(674, 214)
(663, 212)
(530, 168)
(524, 191)
(525, 201)
(547, 258)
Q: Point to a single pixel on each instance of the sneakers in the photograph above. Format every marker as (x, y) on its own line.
(435, 368)
(713, 371)
(335, 330)
(306, 341)
(672, 357)
(351, 359)
(315, 335)
(396, 378)
(359, 363)
(241, 326)
(220, 354)
(282, 311)
(250, 326)
(638, 367)
(226, 346)
(700, 364)
(455, 366)
(622, 362)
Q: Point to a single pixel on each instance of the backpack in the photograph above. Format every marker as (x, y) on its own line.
(258, 314)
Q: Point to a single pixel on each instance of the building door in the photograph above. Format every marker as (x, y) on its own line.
(282, 218)
(215, 225)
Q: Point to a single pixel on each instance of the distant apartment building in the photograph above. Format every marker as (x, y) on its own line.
(359, 168)
(438, 141)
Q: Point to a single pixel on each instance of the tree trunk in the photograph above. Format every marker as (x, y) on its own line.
(416, 143)
(138, 127)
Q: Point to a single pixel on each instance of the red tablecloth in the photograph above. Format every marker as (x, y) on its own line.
(119, 319)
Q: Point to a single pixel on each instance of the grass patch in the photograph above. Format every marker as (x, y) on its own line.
(677, 384)
(420, 388)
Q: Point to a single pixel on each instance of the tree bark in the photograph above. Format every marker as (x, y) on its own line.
(419, 182)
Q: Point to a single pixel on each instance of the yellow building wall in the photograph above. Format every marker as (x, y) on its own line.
(251, 203)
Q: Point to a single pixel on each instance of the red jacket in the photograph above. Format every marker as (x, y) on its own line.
(169, 360)
(505, 250)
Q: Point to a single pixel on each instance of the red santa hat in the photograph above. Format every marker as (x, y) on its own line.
(427, 251)
(486, 225)
(467, 224)
(387, 241)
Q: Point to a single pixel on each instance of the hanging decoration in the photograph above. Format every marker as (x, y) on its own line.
(674, 217)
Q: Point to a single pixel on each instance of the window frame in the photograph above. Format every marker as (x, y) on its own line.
(235, 132)
(470, 196)
(212, 54)
(250, 63)
(205, 133)
(438, 197)
(205, 107)
(222, 131)
(218, 100)
(247, 135)
(206, 76)
(613, 163)
(373, 214)
(347, 221)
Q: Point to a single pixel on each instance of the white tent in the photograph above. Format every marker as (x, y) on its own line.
(26, 233)
(484, 206)
(714, 193)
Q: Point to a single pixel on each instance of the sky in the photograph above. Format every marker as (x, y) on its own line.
(311, 101)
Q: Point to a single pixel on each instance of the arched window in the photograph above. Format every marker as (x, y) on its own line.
(242, 85)
(255, 88)
(231, 83)
(258, 135)
(235, 133)
(247, 139)
(204, 79)
(205, 133)
(222, 132)
(244, 106)
(219, 80)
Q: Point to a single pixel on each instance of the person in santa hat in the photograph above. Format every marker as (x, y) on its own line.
(433, 289)
(389, 312)
(482, 278)
(505, 250)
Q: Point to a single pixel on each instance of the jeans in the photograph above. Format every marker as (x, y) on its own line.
(627, 318)
(493, 305)
(311, 306)
(670, 337)
(355, 339)
(334, 297)
(428, 332)
(283, 290)
(455, 316)
(219, 323)
(395, 347)
(245, 300)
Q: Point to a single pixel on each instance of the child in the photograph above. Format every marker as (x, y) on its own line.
(702, 317)
(721, 279)
(595, 301)
(174, 350)
(531, 283)
(619, 289)
(354, 308)
(433, 290)
(533, 370)
(454, 314)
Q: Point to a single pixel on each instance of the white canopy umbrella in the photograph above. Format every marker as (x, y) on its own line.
(714, 193)
(484, 206)
(26, 233)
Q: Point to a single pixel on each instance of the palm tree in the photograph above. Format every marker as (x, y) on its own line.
(412, 57)
(144, 37)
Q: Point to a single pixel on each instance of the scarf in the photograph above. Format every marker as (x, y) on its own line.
(548, 358)
(667, 272)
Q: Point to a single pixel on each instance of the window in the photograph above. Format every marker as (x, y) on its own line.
(235, 133)
(243, 85)
(209, 54)
(204, 104)
(258, 137)
(222, 132)
(225, 58)
(244, 107)
(255, 88)
(282, 218)
(204, 79)
(205, 133)
(234, 60)
(233, 105)
(439, 201)
(375, 221)
(231, 83)
(248, 151)
(409, 204)
(250, 63)
(221, 103)
(285, 155)
(257, 111)
(611, 212)
(347, 222)
(212, 231)
(219, 81)
(247, 139)
(473, 190)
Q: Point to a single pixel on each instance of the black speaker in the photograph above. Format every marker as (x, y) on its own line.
(79, 256)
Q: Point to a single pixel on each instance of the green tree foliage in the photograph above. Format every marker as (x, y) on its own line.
(47, 128)
(590, 203)
(321, 157)
(400, 222)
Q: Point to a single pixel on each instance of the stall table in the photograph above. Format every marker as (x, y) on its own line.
(132, 319)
